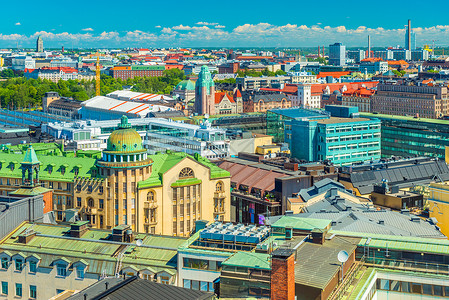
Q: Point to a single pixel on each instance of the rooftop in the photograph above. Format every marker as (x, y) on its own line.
(53, 242)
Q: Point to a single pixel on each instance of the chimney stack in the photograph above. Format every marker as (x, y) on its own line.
(283, 274)
(409, 35)
(369, 46)
(319, 51)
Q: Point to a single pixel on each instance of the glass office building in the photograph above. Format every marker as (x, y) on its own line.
(408, 136)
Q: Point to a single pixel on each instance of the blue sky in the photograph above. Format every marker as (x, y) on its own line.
(219, 23)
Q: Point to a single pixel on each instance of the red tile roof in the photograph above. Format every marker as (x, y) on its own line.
(361, 92)
(333, 74)
(238, 94)
(372, 59)
(220, 95)
(318, 89)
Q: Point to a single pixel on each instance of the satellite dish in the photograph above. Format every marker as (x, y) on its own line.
(140, 243)
(343, 256)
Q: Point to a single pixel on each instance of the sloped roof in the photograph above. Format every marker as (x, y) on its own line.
(30, 156)
(219, 96)
(84, 165)
(52, 243)
(164, 162)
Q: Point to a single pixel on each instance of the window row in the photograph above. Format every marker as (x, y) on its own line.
(19, 290)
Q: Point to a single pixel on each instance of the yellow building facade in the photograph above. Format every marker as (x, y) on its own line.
(438, 202)
(163, 193)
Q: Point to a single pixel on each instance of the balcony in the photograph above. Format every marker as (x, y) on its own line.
(149, 205)
(220, 195)
(90, 210)
(149, 221)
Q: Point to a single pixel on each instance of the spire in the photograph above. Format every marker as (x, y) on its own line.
(30, 156)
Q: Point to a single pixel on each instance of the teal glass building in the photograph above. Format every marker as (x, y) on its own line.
(409, 136)
(342, 139)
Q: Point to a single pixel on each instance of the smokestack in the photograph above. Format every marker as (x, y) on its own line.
(369, 46)
(409, 35)
(319, 51)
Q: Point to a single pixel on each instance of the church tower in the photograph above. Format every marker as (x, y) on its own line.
(205, 93)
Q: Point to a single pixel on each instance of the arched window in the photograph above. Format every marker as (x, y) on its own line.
(219, 187)
(150, 197)
(186, 173)
(90, 202)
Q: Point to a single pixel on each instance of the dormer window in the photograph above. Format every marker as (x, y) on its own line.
(61, 269)
(62, 170)
(19, 264)
(33, 266)
(50, 169)
(5, 262)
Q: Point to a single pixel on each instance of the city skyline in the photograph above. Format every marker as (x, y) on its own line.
(204, 24)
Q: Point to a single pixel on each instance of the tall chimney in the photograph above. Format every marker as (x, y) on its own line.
(283, 274)
(369, 46)
(319, 51)
(409, 35)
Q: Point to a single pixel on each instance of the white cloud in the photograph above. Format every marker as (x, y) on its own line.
(206, 23)
(261, 34)
(87, 29)
(157, 26)
(18, 24)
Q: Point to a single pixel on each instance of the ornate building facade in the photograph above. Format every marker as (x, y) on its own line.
(163, 193)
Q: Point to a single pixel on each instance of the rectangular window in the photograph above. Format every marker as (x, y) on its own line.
(427, 289)
(33, 293)
(61, 270)
(80, 272)
(5, 263)
(204, 285)
(101, 204)
(78, 202)
(186, 283)
(19, 264)
(100, 190)
(33, 266)
(165, 280)
(4, 288)
(18, 289)
(195, 285)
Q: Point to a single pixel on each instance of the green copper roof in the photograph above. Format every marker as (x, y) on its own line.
(94, 249)
(38, 190)
(124, 139)
(30, 156)
(164, 162)
(401, 243)
(187, 85)
(204, 79)
(185, 182)
(249, 260)
(301, 223)
(50, 168)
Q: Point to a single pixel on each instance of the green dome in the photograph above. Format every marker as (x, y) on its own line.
(125, 138)
(187, 85)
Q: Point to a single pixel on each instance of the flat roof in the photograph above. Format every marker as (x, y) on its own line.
(401, 243)
(406, 118)
(334, 120)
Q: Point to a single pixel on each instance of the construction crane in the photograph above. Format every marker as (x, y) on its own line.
(97, 76)
(433, 44)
